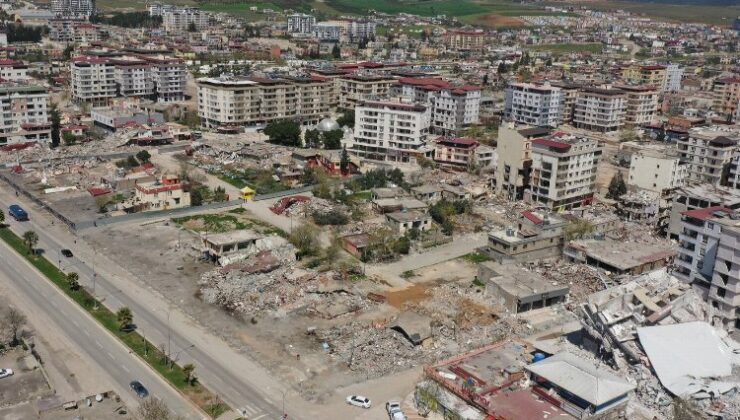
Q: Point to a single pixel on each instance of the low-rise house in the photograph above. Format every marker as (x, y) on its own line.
(536, 237)
(215, 246)
(518, 290)
(390, 205)
(164, 194)
(356, 245)
(428, 192)
(404, 221)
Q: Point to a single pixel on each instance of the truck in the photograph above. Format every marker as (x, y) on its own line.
(18, 213)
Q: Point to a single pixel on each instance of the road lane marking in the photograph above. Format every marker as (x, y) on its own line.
(86, 333)
(98, 343)
(76, 324)
(259, 417)
(125, 368)
(110, 355)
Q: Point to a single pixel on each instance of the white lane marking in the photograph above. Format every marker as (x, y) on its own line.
(54, 304)
(249, 409)
(98, 343)
(110, 355)
(75, 324)
(86, 333)
(259, 417)
(125, 368)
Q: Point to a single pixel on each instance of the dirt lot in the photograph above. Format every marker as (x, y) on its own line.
(493, 20)
(27, 383)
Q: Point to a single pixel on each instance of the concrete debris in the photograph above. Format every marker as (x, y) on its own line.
(279, 247)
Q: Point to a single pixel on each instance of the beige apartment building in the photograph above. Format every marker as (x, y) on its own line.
(601, 109)
(514, 164)
(642, 104)
(726, 93)
(93, 80)
(355, 88)
(709, 152)
(231, 102)
(654, 75)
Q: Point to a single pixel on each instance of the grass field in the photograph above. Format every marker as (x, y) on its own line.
(595, 47)
(148, 352)
(719, 15)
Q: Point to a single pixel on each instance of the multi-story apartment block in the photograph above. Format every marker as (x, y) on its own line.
(133, 77)
(158, 9)
(356, 88)
(13, 70)
(169, 76)
(465, 39)
(657, 171)
(454, 106)
(180, 20)
(514, 164)
(391, 131)
(300, 23)
(707, 259)
(62, 29)
(24, 116)
(563, 171)
(462, 153)
(642, 104)
(673, 78)
(569, 93)
(709, 153)
(654, 75)
(700, 196)
(537, 105)
(600, 109)
(93, 80)
(232, 102)
(326, 31)
(80, 8)
(361, 29)
(726, 93)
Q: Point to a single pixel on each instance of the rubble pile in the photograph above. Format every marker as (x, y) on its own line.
(279, 247)
(582, 279)
(307, 208)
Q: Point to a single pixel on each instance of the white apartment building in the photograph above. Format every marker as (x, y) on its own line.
(642, 104)
(74, 8)
(600, 109)
(93, 80)
(709, 241)
(563, 171)
(13, 70)
(326, 31)
(454, 107)
(709, 152)
(299, 23)
(158, 9)
(514, 160)
(169, 76)
(235, 102)
(133, 77)
(656, 171)
(361, 29)
(24, 116)
(537, 105)
(179, 20)
(391, 131)
(673, 78)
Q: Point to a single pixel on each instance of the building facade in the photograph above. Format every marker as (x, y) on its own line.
(655, 171)
(465, 39)
(463, 153)
(73, 8)
(181, 20)
(93, 80)
(25, 115)
(600, 109)
(390, 131)
(709, 153)
(537, 105)
(13, 70)
(453, 106)
(353, 89)
(726, 95)
(299, 23)
(642, 104)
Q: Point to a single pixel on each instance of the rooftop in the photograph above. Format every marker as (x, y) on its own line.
(624, 255)
(229, 238)
(519, 282)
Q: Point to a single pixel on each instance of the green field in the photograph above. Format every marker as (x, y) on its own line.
(719, 15)
(595, 47)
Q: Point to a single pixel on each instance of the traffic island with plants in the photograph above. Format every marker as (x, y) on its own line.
(181, 377)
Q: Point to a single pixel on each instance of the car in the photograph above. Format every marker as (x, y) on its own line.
(359, 401)
(4, 373)
(67, 253)
(139, 389)
(393, 408)
(17, 213)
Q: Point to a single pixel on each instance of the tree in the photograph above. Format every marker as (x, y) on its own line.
(579, 229)
(2, 218)
(343, 163)
(284, 132)
(69, 139)
(548, 63)
(143, 156)
(617, 187)
(336, 52)
(501, 68)
(154, 409)
(30, 238)
(132, 162)
(67, 53)
(196, 197)
(305, 238)
(14, 320)
(188, 370)
(312, 139)
(125, 317)
(332, 139)
(347, 119)
(219, 194)
(55, 126)
(485, 79)
(73, 279)
(628, 135)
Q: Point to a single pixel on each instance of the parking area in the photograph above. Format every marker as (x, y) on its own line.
(28, 381)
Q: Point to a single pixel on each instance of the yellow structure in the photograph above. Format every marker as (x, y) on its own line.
(247, 194)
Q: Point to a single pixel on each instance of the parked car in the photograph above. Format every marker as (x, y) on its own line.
(67, 253)
(393, 408)
(4, 373)
(17, 212)
(358, 401)
(139, 389)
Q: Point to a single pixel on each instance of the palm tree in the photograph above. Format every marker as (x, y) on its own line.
(188, 370)
(30, 238)
(73, 279)
(125, 316)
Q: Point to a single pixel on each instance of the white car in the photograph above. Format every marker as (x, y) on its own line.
(358, 401)
(394, 410)
(4, 373)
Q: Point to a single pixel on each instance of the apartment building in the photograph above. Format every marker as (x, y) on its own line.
(709, 152)
(454, 106)
(699, 196)
(326, 31)
(300, 23)
(463, 153)
(163, 194)
(708, 243)
(673, 78)
(355, 88)
(169, 76)
(533, 104)
(390, 131)
(74, 8)
(180, 20)
(93, 80)
(654, 75)
(657, 171)
(24, 116)
(465, 39)
(62, 28)
(600, 109)
(641, 105)
(514, 165)
(13, 70)
(158, 9)
(569, 93)
(133, 77)
(563, 171)
(726, 95)
(361, 29)
(233, 101)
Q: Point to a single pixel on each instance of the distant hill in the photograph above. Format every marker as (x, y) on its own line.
(692, 2)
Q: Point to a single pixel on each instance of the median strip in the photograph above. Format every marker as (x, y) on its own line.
(155, 357)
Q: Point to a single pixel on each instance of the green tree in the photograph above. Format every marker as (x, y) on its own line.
(73, 280)
(306, 239)
(402, 245)
(617, 187)
(30, 238)
(55, 126)
(124, 316)
(332, 139)
(219, 194)
(189, 370)
(344, 162)
(69, 139)
(312, 139)
(196, 197)
(67, 53)
(2, 218)
(132, 162)
(143, 156)
(578, 229)
(347, 119)
(336, 52)
(284, 132)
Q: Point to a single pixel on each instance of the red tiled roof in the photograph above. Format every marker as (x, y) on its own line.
(531, 217)
(458, 141)
(97, 191)
(703, 214)
(654, 67)
(562, 147)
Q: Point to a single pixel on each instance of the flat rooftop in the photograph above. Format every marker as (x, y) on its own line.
(227, 238)
(625, 255)
(519, 282)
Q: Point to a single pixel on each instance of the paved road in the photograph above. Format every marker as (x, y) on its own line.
(98, 345)
(231, 377)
